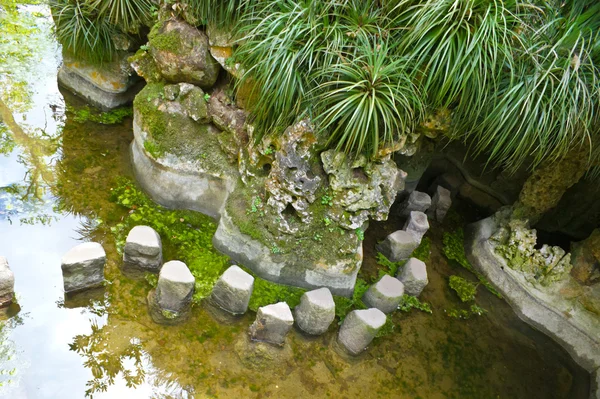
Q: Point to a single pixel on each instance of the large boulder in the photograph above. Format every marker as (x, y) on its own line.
(181, 54)
(7, 283)
(105, 86)
(83, 267)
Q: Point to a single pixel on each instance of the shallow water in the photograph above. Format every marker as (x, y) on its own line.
(61, 172)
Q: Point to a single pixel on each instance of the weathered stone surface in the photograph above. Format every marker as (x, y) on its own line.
(7, 283)
(385, 295)
(414, 276)
(359, 328)
(143, 250)
(175, 286)
(586, 259)
(398, 246)
(479, 198)
(440, 204)
(232, 121)
(416, 201)
(83, 267)
(233, 290)
(316, 311)
(417, 224)
(595, 385)
(572, 326)
(365, 189)
(181, 53)
(108, 86)
(272, 323)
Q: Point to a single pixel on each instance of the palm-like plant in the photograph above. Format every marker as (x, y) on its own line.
(370, 101)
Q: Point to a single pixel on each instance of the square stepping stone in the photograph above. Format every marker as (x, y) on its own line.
(272, 323)
(384, 295)
(440, 204)
(414, 276)
(316, 311)
(398, 246)
(417, 225)
(175, 287)
(416, 201)
(143, 250)
(233, 290)
(83, 267)
(359, 328)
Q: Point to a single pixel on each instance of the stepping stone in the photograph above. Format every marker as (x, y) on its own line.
(417, 225)
(143, 250)
(316, 311)
(384, 295)
(233, 290)
(416, 201)
(414, 276)
(359, 328)
(7, 283)
(398, 246)
(440, 204)
(272, 323)
(175, 287)
(83, 267)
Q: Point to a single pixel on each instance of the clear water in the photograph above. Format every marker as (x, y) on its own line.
(55, 180)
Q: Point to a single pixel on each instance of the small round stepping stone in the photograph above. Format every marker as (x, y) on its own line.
(359, 328)
(233, 290)
(272, 323)
(175, 286)
(384, 295)
(316, 311)
(416, 201)
(414, 276)
(7, 283)
(83, 267)
(417, 224)
(398, 246)
(143, 250)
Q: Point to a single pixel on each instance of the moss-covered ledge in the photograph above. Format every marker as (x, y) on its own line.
(564, 320)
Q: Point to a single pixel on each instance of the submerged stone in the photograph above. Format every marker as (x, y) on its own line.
(143, 250)
(316, 311)
(385, 295)
(398, 246)
(417, 224)
(414, 276)
(272, 323)
(233, 290)
(7, 283)
(416, 201)
(83, 267)
(359, 328)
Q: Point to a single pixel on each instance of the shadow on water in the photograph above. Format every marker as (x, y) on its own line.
(105, 343)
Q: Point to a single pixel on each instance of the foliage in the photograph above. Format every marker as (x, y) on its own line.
(473, 310)
(410, 302)
(423, 251)
(126, 14)
(266, 293)
(465, 289)
(387, 329)
(223, 14)
(344, 305)
(188, 234)
(85, 114)
(454, 250)
(390, 267)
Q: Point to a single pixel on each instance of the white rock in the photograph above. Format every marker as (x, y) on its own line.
(416, 201)
(316, 311)
(7, 283)
(272, 323)
(233, 290)
(83, 267)
(143, 250)
(175, 287)
(414, 276)
(398, 246)
(417, 225)
(359, 328)
(384, 295)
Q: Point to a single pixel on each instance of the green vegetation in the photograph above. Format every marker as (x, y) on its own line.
(344, 305)
(85, 114)
(186, 235)
(465, 289)
(465, 314)
(423, 250)
(267, 293)
(410, 302)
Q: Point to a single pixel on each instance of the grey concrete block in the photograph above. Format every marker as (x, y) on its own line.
(417, 224)
(416, 201)
(359, 328)
(7, 283)
(385, 294)
(398, 246)
(233, 290)
(414, 276)
(175, 287)
(316, 311)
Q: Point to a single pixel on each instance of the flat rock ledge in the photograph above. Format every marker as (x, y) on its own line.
(579, 334)
(177, 183)
(253, 254)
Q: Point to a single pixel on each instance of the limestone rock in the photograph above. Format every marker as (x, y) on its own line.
(417, 224)
(586, 259)
(398, 246)
(316, 311)
(385, 295)
(175, 286)
(83, 267)
(272, 323)
(359, 328)
(143, 250)
(7, 283)
(414, 276)
(416, 201)
(107, 86)
(181, 53)
(233, 290)
(440, 204)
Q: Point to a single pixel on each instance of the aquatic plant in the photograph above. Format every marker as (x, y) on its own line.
(465, 289)
(410, 302)
(465, 314)
(86, 113)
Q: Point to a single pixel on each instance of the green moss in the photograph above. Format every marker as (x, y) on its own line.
(170, 41)
(152, 148)
(145, 66)
(423, 250)
(344, 305)
(465, 290)
(88, 114)
(410, 302)
(266, 293)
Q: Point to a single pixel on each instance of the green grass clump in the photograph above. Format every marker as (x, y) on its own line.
(266, 293)
(186, 235)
